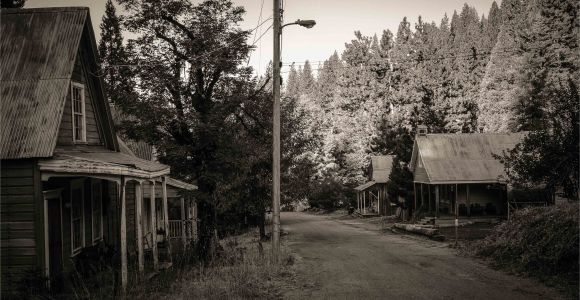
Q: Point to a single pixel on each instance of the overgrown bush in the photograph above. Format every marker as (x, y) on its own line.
(331, 194)
(539, 241)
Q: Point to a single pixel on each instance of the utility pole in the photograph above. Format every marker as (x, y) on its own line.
(276, 132)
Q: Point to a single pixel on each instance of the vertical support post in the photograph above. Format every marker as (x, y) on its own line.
(415, 195)
(276, 131)
(422, 195)
(165, 208)
(183, 237)
(429, 196)
(139, 221)
(437, 199)
(123, 235)
(456, 214)
(468, 203)
(365, 201)
(153, 216)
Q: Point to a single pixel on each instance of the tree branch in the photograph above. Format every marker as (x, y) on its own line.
(171, 42)
(178, 25)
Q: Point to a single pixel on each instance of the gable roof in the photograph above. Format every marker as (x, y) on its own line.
(381, 168)
(462, 158)
(39, 49)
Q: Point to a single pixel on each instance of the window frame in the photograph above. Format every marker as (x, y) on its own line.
(81, 87)
(77, 184)
(96, 185)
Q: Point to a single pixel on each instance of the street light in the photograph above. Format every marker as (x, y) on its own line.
(276, 123)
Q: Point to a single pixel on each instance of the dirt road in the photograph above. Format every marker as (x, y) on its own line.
(345, 260)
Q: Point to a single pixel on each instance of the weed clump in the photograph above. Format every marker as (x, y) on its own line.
(537, 241)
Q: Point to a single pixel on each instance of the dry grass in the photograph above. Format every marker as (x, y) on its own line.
(246, 269)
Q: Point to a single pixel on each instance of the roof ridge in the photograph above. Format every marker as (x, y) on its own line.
(43, 9)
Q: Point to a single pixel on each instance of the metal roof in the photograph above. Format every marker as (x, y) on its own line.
(461, 158)
(381, 168)
(38, 49)
(100, 161)
(365, 186)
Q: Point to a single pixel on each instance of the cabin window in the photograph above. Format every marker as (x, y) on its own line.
(97, 204)
(78, 112)
(77, 216)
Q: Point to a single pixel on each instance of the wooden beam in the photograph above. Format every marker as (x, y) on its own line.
(467, 202)
(166, 214)
(139, 221)
(183, 237)
(153, 216)
(437, 201)
(429, 196)
(415, 194)
(456, 203)
(123, 235)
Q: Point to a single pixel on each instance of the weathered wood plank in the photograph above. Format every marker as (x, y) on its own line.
(18, 243)
(16, 181)
(18, 190)
(16, 172)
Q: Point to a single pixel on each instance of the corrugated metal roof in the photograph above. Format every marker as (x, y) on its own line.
(381, 168)
(464, 157)
(38, 48)
(365, 186)
(101, 161)
(140, 149)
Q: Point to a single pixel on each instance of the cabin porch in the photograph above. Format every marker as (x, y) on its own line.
(461, 200)
(372, 199)
(105, 214)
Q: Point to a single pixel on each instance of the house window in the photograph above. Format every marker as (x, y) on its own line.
(97, 205)
(78, 112)
(77, 216)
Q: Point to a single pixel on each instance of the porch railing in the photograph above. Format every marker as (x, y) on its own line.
(176, 228)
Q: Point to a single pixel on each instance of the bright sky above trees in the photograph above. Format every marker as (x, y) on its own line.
(337, 21)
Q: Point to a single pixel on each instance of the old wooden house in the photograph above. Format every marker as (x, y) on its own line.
(457, 175)
(69, 186)
(372, 196)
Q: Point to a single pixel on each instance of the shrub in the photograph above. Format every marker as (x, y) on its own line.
(331, 195)
(540, 241)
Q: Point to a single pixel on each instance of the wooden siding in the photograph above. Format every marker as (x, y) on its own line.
(420, 174)
(20, 244)
(65, 134)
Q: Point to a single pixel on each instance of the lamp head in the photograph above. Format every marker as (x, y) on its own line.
(306, 23)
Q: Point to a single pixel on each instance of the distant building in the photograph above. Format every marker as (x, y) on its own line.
(458, 175)
(372, 195)
(71, 190)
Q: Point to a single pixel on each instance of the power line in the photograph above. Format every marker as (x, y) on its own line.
(360, 66)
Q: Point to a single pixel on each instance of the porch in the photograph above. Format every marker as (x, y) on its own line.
(372, 199)
(106, 205)
(442, 201)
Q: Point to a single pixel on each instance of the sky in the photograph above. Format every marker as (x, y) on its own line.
(336, 22)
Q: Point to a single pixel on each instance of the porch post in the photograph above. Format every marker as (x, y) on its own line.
(139, 221)
(358, 200)
(468, 204)
(437, 201)
(422, 196)
(153, 227)
(379, 201)
(456, 203)
(183, 237)
(429, 196)
(415, 195)
(364, 201)
(123, 235)
(165, 209)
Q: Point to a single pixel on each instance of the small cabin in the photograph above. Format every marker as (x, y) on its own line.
(72, 192)
(372, 195)
(457, 175)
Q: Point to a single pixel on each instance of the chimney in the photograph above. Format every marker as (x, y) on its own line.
(422, 130)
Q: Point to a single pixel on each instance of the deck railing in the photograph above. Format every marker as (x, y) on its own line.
(176, 228)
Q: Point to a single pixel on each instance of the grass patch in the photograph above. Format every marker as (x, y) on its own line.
(245, 269)
(541, 242)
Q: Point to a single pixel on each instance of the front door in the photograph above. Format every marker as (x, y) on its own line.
(54, 232)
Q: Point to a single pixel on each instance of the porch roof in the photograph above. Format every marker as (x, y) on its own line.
(365, 186)
(102, 162)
